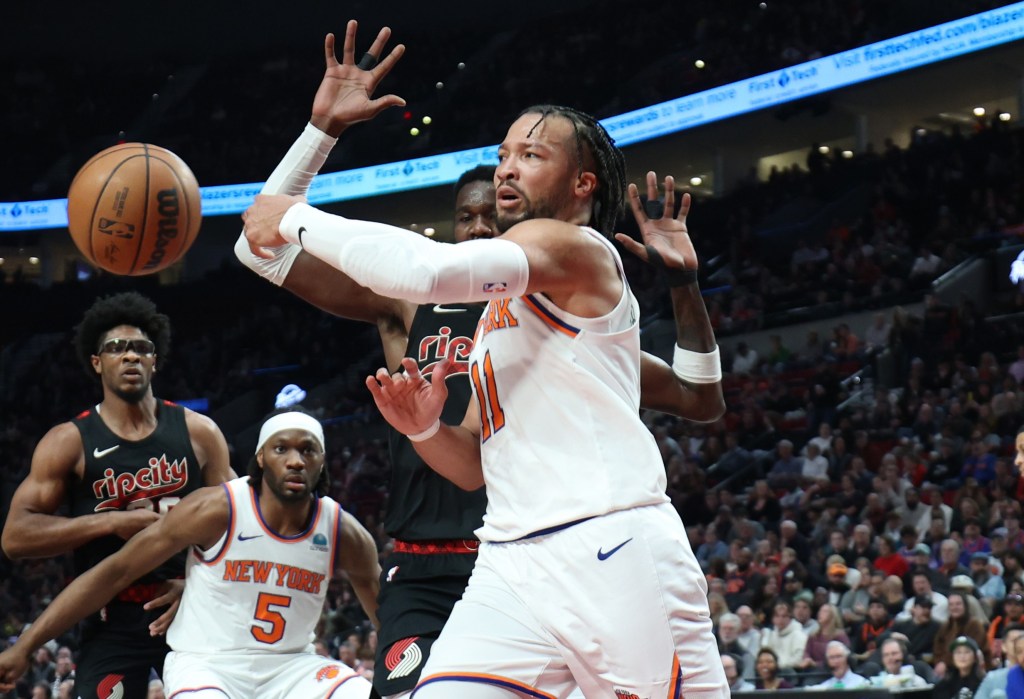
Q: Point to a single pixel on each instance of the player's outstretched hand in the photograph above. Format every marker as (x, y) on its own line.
(345, 93)
(409, 402)
(263, 222)
(668, 235)
(13, 664)
(170, 597)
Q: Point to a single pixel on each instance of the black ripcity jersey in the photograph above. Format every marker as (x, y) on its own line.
(153, 473)
(424, 505)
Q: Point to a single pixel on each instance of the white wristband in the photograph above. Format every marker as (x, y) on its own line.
(697, 367)
(425, 434)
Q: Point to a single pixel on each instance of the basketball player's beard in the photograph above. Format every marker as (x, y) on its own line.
(543, 209)
(133, 397)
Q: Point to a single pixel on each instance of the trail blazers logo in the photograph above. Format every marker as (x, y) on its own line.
(111, 687)
(403, 657)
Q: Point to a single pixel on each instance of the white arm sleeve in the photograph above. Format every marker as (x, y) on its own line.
(397, 263)
(292, 175)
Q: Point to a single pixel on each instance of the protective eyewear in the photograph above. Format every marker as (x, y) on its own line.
(119, 345)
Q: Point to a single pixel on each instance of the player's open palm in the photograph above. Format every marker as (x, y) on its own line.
(409, 402)
(344, 95)
(667, 237)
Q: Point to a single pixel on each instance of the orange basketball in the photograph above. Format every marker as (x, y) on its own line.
(134, 209)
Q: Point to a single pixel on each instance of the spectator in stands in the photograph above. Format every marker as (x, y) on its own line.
(920, 629)
(1012, 615)
(1016, 370)
(990, 588)
(980, 464)
(861, 546)
(713, 547)
(734, 460)
(768, 671)
(42, 669)
(733, 667)
(912, 510)
(964, 584)
(1013, 568)
(922, 587)
(926, 265)
(889, 561)
(803, 613)
(778, 356)
(830, 629)
(838, 656)
(973, 542)
(790, 536)
(785, 473)
(839, 457)
(745, 360)
(750, 636)
(762, 504)
(966, 671)
(815, 466)
(728, 633)
(961, 622)
(868, 632)
(784, 637)
(949, 563)
(876, 336)
(896, 671)
(845, 345)
(893, 595)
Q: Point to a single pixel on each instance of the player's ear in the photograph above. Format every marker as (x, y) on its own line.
(95, 361)
(259, 458)
(586, 183)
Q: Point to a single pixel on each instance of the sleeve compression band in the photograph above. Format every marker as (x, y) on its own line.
(292, 175)
(397, 263)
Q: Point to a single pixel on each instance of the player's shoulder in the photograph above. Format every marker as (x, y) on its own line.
(62, 437)
(199, 424)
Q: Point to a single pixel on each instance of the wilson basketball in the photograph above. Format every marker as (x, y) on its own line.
(134, 209)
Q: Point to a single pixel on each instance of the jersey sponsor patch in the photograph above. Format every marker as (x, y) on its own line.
(319, 542)
(403, 657)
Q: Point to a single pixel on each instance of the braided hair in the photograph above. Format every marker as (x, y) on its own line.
(595, 145)
(109, 312)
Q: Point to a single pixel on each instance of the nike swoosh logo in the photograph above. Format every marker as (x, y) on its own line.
(100, 453)
(302, 229)
(246, 538)
(601, 555)
(441, 309)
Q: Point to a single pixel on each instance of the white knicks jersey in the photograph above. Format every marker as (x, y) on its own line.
(254, 590)
(559, 395)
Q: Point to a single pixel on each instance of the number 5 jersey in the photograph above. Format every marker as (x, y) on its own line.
(255, 590)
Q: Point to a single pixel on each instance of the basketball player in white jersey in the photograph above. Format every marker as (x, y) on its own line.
(585, 574)
(263, 550)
